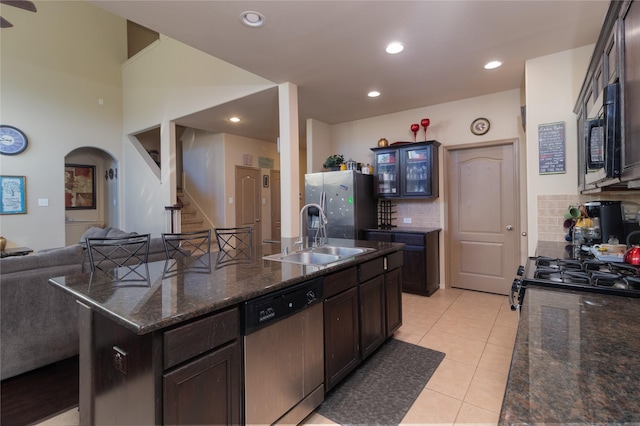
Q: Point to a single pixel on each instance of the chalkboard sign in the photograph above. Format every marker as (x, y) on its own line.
(551, 148)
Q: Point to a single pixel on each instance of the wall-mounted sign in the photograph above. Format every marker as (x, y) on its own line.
(551, 148)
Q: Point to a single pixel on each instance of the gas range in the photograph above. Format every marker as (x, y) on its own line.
(583, 273)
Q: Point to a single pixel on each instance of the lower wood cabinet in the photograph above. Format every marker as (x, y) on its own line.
(421, 267)
(362, 308)
(393, 293)
(341, 329)
(372, 315)
(205, 390)
(189, 374)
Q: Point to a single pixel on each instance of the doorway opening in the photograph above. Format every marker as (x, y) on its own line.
(100, 186)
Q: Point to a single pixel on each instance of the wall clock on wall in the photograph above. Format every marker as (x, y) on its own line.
(480, 126)
(12, 140)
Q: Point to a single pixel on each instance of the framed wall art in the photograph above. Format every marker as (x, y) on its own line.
(13, 195)
(79, 187)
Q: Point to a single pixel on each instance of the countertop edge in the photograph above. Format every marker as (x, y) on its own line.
(225, 303)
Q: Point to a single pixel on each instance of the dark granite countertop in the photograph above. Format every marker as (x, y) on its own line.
(171, 294)
(576, 360)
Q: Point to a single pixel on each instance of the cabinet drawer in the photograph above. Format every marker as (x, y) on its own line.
(340, 281)
(411, 239)
(394, 260)
(200, 336)
(370, 269)
(378, 236)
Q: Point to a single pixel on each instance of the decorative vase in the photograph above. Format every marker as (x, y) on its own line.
(3, 244)
(383, 142)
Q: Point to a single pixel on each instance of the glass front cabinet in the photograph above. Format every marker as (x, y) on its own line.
(408, 170)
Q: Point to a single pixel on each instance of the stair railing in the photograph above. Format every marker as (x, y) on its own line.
(173, 216)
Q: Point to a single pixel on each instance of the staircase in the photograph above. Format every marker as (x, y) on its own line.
(189, 216)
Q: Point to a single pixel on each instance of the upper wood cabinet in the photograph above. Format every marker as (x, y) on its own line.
(616, 59)
(630, 76)
(408, 170)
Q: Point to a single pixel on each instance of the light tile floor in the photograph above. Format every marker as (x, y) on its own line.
(475, 330)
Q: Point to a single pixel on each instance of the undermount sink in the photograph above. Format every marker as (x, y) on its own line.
(341, 251)
(323, 255)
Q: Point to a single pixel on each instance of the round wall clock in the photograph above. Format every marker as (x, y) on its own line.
(12, 140)
(480, 126)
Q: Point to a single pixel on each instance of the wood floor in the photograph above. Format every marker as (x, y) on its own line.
(39, 394)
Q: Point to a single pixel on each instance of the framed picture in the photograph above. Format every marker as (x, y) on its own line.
(79, 187)
(13, 195)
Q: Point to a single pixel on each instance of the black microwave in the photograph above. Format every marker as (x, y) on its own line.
(603, 139)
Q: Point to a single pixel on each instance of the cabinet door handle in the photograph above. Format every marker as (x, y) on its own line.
(509, 228)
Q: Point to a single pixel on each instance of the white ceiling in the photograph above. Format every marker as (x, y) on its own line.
(334, 50)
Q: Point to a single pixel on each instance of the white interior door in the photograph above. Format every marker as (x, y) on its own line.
(484, 228)
(248, 212)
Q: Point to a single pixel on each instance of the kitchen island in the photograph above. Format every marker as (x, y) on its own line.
(576, 357)
(163, 345)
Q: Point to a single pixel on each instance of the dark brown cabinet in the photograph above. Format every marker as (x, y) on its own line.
(615, 60)
(341, 328)
(393, 293)
(206, 390)
(406, 171)
(630, 23)
(362, 308)
(372, 315)
(421, 264)
(189, 374)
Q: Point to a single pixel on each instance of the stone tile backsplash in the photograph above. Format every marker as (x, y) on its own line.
(423, 214)
(551, 209)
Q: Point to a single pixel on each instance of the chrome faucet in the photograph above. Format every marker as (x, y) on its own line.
(322, 232)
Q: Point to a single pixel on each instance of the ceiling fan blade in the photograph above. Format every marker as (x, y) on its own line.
(21, 4)
(4, 23)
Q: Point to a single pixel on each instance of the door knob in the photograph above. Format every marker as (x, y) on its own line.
(257, 220)
(509, 228)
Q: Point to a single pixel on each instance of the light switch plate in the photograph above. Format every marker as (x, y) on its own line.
(406, 220)
(43, 202)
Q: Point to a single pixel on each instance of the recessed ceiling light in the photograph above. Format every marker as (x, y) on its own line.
(252, 19)
(492, 65)
(373, 94)
(234, 119)
(395, 47)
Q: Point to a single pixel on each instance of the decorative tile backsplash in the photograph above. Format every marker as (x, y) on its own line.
(551, 209)
(423, 214)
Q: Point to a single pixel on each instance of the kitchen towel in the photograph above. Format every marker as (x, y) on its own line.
(384, 387)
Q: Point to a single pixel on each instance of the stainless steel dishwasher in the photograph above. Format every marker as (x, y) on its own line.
(284, 354)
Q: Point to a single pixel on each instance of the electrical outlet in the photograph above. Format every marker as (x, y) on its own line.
(43, 202)
(406, 220)
(120, 362)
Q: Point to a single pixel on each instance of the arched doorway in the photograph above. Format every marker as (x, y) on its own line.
(91, 192)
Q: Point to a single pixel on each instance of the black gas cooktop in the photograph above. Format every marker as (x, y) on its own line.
(564, 268)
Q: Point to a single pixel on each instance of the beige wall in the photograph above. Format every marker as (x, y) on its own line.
(164, 82)
(235, 148)
(552, 86)
(54, 74)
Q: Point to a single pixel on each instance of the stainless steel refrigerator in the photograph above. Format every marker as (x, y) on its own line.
(348, 203)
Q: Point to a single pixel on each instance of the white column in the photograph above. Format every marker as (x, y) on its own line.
(289, 159)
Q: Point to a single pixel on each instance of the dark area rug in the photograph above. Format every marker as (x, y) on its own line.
(383, 388)
(39, 394)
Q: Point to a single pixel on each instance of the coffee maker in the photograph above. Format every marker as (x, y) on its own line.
(607, 217)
